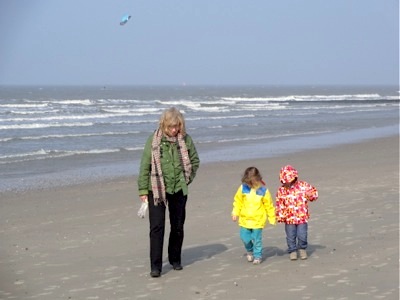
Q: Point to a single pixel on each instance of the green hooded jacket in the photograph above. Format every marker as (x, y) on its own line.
(172, 170)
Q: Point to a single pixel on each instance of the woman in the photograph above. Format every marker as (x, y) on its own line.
(168, 165)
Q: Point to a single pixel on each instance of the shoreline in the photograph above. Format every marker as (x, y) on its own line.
(46, 175)
(86, 241)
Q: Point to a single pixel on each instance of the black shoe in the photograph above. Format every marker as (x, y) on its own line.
(177, 266)
(155, 274)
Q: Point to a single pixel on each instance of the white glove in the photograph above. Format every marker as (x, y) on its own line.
(142, 210)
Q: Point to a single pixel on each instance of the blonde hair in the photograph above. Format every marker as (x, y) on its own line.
(252, 177)
(171, 117)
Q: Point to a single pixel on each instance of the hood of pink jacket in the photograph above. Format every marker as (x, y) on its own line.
(288, 174)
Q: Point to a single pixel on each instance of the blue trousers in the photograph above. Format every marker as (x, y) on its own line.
(296, 236)
(252, 240)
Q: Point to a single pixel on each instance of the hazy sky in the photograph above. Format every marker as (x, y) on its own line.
(199, 42)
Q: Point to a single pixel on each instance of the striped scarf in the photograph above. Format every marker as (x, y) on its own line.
(156, 175)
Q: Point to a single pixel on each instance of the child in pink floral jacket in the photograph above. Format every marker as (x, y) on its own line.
(292, 209)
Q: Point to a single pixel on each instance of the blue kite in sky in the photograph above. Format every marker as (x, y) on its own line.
(124, 20)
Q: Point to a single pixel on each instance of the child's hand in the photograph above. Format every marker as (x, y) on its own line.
(311, 195)
(234, 218)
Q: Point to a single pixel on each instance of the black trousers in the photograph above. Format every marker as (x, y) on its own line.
(177, 215)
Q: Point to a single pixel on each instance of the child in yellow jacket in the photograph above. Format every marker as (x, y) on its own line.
(252, 207)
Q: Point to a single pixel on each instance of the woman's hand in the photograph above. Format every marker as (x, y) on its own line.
(144, 198)
(234, 218)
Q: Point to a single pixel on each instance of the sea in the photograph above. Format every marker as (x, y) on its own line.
(62, 135)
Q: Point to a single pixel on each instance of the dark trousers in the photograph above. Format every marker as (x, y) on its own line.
(177, 215)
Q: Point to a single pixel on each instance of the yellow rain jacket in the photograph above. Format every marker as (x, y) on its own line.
(253, 207)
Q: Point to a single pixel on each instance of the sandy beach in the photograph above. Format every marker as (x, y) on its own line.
(86, 241)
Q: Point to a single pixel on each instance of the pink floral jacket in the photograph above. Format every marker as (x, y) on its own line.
(292, 202)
